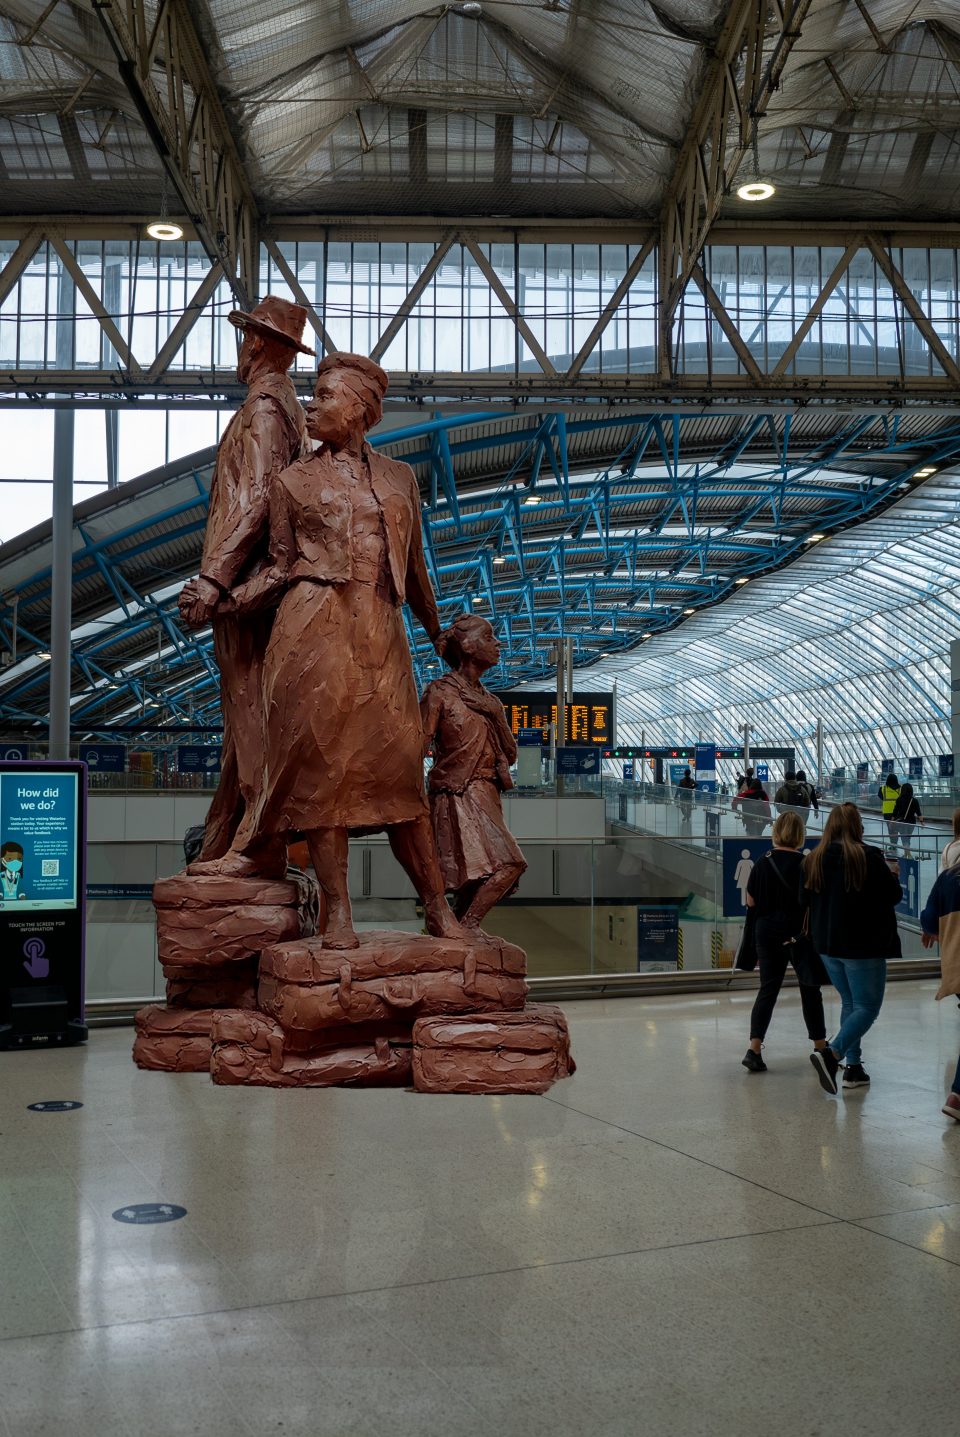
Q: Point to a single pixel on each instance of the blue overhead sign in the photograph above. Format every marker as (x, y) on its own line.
(945, 763)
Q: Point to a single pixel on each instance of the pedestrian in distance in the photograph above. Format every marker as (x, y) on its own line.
(852, 891)
(811, 791)
(686, 789)
(951, 853)
(888, 793)
(753, 805)
(905, 817)
(794, 796)
(940, 922)
(774, 892)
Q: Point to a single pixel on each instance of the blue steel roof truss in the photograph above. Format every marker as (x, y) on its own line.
(544, 549)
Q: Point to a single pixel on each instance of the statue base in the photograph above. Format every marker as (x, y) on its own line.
(445, 1014)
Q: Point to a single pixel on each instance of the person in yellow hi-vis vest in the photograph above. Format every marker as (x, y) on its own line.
(888, 794)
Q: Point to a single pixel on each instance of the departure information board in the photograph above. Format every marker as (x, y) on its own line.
(590, 717)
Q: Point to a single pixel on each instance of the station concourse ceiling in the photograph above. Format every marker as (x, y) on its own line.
(610, 524)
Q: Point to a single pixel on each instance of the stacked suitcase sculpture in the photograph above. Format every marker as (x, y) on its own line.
(210, 934)
(442, 1015)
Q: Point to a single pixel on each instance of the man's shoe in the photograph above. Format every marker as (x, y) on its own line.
(952, 1106)
(855, 1077)
(753, 1062)
(826, 1066)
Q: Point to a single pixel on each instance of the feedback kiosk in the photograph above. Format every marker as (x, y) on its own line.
(42, 847)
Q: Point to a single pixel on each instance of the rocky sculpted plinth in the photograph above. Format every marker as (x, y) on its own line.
(524, 1052)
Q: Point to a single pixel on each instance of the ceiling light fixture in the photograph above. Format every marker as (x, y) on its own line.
(499, 559)
(923, 473)
(741, 581)
(814, 538)
(755, 190)
(532, 499)
(164, 230)
(477, 599)
(689, 611)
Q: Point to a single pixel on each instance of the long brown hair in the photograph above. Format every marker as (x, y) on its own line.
(844, 826)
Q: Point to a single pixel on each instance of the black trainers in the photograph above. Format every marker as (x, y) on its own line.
(855, 1077)
(753, 1062)
(827, 1066)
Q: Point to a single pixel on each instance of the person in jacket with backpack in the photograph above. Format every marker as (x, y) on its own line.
(905, 817)
(940, 922)
(753, 804)
(888, 793)
(686, 789)
(853, 891)
(795, 795)
(773, 892)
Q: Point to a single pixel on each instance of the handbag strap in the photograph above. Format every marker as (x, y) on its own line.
(805, 925)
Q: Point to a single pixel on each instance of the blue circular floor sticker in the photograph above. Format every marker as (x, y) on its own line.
(54, 1107)
(144, 1212)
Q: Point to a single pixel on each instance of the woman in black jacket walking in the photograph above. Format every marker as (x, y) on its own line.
(906, 816)
(773, 892)
(853, 892)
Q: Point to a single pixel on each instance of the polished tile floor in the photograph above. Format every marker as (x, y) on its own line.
(664, 1244)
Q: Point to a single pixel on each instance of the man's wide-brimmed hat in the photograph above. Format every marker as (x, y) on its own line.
(274, 318)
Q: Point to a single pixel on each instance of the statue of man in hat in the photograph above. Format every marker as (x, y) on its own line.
(266, 434)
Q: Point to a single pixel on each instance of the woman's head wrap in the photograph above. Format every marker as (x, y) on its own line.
(456, 642)
(363, 377)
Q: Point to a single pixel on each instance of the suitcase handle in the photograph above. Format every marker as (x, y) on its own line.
(399, 993)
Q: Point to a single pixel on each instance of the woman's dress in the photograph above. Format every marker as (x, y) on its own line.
(344, 739)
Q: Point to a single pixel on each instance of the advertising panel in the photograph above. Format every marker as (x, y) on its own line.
(945, 763)
(103, 757)
(578, 760)
(42, 845)
(658, 939)
(198, 758)
(706, 767)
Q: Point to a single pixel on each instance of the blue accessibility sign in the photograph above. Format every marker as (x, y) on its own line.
(148, 1212)
(56, 1106)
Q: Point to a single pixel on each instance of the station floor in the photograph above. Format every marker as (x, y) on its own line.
(663, 1244)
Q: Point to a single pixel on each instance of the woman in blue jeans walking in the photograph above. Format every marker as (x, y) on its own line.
(940, 921)
(853, 891)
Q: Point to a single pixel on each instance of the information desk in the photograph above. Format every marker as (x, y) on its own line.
(42, 903)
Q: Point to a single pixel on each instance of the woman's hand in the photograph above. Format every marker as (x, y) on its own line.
(928, 940)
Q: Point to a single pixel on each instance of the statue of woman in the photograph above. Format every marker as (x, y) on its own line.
(344, 743)
(473, 750)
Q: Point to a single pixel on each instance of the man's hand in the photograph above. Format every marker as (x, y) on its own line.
(198, 600)
(928, 940)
